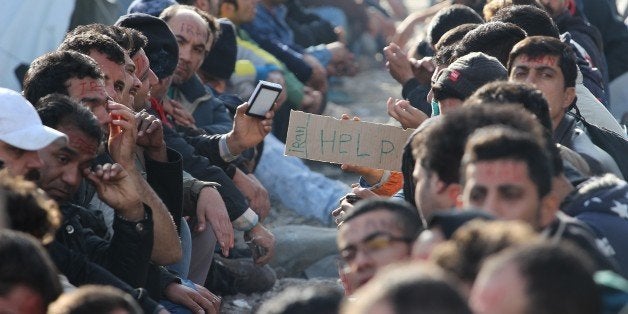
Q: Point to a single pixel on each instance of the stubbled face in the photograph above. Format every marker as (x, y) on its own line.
(360, 248)
(504, 189)
(545, 74)
(246, 10)
(64, 163)
(115, 75)
(20, 162)
(426, 191)
(500, 291)
(91, 93)
(132, 84)
(194, 41)
(147, 78)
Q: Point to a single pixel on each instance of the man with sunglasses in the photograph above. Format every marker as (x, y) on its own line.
(374, 233)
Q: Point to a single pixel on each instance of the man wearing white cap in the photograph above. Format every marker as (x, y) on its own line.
(22, 134)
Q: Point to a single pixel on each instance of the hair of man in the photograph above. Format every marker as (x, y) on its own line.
(541, 46)
(50, 72)
(409, 288)
(475, 241)
(29, 209)
(444, 144)
(558, 277)
(448, 18)
(492, 6)
(25, 262)
(493, 38)
(94, 299)
(56, 110)
(86, 42)
(406, 216)
(533, 20)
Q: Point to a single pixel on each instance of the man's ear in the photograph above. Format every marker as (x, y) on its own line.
(569, 97)
(548, 209)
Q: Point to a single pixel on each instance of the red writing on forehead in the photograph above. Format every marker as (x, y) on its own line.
(545, 60)
(80, 142)
(92, 86)
(192, 30)
(506, 169)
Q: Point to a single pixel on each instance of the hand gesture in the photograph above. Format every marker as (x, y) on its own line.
(423, 69)
(180, 115)
(248, 131)
(150, 135)
(211, 208)
(398, 64)
(201, 301)
(261, 238)
(122, 145)
(116, 188)
(402, 111)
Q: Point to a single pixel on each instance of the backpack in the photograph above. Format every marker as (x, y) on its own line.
(609, 141)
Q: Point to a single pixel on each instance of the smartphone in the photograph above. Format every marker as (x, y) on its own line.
(263, 99)
(115, 129)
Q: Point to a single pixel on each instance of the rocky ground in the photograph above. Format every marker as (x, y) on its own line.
(369, 89)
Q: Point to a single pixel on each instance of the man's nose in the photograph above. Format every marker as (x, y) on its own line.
(33, 160)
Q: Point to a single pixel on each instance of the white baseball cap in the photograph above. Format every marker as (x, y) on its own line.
(20, 125)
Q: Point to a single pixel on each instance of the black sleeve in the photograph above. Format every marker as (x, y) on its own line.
(201, 168)
(309, 29)
(128, 253)
(80, 271)
(417, 95)
(166, 178)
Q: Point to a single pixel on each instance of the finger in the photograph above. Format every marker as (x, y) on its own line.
(154, 126)
(344, 117)
(204, 303)
(200, 216)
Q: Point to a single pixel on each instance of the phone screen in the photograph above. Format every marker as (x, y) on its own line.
(263, 102)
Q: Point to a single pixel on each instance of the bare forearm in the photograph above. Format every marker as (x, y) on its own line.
(167, 247)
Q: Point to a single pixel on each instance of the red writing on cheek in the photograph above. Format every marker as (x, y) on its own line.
(545, 60)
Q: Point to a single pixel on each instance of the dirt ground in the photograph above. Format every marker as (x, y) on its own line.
(370, 89)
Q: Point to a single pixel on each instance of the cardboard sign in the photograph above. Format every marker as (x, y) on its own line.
(351, 142)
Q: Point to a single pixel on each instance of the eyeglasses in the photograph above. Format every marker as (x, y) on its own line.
(372, 245)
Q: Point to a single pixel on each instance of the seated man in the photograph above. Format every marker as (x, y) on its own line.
(22, 135)
(374, 233)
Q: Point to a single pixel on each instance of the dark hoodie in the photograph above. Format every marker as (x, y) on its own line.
(602, 203)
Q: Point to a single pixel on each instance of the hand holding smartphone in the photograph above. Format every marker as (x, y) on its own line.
(263, 99)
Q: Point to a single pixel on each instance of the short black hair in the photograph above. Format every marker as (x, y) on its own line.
(446, 45)
(491, 7)
(497, 142)
(493, 38)
(57, 110)
(86, 42)
(504, 92)
(50, 73)
(539, 46)
(533, 20)
(25, 262)
(407, 216)
(448, 18)
(558, 277)
(316, 299)
(443, 147)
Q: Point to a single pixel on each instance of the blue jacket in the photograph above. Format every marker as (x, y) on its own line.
(270, 30)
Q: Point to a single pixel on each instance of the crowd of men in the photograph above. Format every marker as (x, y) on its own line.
(130, 164)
